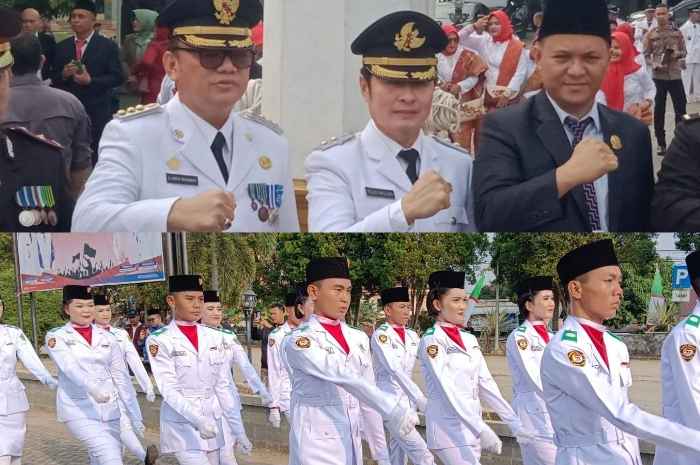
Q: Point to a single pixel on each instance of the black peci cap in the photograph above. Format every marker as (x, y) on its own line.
(580, 17)
(185, 283)
(72, 291)
(326, 268)
(586, 258)
(446, 280)
(395, 294)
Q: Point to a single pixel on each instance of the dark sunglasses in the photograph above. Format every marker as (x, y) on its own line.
(213, 59)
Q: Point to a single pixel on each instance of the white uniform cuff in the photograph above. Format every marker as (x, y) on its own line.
(397, 218)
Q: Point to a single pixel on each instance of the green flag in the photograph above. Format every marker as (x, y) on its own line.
(474, 294)
(657, 287)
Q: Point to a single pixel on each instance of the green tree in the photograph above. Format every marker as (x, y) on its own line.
(688, 241)
(49, 8)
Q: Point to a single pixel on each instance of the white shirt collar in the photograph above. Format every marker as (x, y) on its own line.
(209, 132)
(594, 114)
(394, 147)
(87, 41)
(592, 324)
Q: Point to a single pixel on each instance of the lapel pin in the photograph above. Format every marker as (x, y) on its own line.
(616, 142)
(265, 162)
(249, 137)
(179, 135)
(174, 164)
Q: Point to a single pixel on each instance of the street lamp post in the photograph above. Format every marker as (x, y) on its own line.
(249, 300)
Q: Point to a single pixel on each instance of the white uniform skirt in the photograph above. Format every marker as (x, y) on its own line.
(13, 429)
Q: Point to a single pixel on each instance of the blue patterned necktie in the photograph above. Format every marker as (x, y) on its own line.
(578, 128)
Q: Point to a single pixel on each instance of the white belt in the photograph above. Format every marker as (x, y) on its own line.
(592, 439)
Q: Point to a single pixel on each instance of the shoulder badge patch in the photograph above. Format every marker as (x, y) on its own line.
(159, 332)
(693, 320)
(261, 120)
(430, 331)
(271, 343)
(576, 358)
(334, 142)
(384, 326)
(51, 343)
(139, 111)
(521, 329)
(688, 352)
(383, 338)
(432, 351)
(569, 335)
(153, 350)
(303, 342)
(522, 343)
(449, 144)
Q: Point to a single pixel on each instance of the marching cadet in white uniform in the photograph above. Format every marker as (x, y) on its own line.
(191, 369)
(391, 177)
(394, 351)
(680, 373)
(234, 438)
(333, 392)
(103, 318)
(456, 378)
(92, 380)
(278, 381)
(691, 74)
(586, 372)
(13, 400)
(194, 164)
(524, 350)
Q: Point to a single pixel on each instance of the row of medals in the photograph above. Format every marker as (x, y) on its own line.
(36, 217)
(261, 203)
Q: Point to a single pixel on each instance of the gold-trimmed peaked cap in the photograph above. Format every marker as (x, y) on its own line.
(10, 27)
(401, 46)
(212, 24)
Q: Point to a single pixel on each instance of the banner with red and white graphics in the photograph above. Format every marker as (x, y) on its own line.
(51, 261)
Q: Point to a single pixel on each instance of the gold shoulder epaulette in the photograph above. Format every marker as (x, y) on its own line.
(138, 111)
(334, 142)
(262, 121)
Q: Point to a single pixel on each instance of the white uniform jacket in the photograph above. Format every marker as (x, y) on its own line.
(691, 34)
(150, 161)
(592, 416)
(394, 362)
(524, 351)
(457, 380)
(356, 185)
(83, 368)
(333, 397)
(194, 384)
(680, 378)
(132, 358)
(13, 346)
(278, 381)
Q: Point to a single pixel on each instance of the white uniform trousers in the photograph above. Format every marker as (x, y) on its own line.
(7, 460)
(198, 457)
(128, 437)
(13, 429)
(226, 453)
(101, 438)
(539, 452)
(464, 455)
(412, 447)
(691, 82)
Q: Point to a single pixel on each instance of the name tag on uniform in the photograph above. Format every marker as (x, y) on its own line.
(453, 350)
(70, 342)
(380, 193)
(105, 345)
(181, 179)
(178, 353)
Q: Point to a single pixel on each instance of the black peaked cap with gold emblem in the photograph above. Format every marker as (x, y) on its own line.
(401, 46)
(10, 26)
(212, 24)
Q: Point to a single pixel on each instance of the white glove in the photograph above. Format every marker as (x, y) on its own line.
(244, 446)
(523, 437)
(100, 396)
(489, 440)
(265, 397)
(139, 429)
(52, 383)
(274, 417)
(151, 395)
(421, 404)
(207, 428)
(408, 423)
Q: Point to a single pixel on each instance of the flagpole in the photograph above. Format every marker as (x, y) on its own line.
(32, 312)
(498, 301)
(18, 284)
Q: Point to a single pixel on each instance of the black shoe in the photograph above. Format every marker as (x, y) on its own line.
(662, 151)
(151, 455)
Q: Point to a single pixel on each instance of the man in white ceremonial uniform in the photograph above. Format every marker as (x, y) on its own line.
(392, 177)
(691, 73)
(394, 350)
(92, 381)
(103, 317)
(524, 350)
(335, 401)
(586, 372)
(278, 380)
(195, 164)
(190, 367)
(643, 26)
(235, 438)
(14, 404)
(680, 373)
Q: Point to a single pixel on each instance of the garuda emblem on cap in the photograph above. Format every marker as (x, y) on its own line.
(226, 10)
(409, 38)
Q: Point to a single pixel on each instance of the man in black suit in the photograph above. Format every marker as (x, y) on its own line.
(33, 23)
(561, 162)
(87, 65)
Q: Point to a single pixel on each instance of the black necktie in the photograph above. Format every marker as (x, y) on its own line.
(217, 148)
(411, 157)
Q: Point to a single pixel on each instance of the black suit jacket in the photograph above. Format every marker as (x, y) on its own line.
(101, 59)
(514, 182)
(48, 49)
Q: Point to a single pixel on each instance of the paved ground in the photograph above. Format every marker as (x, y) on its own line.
(670, 124)
(50, 443)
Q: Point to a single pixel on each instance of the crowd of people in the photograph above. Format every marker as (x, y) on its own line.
(336, 386)
(551, 135)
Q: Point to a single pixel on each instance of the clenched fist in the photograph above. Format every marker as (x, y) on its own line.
(592, 159)
(429, 195)
(211, 211)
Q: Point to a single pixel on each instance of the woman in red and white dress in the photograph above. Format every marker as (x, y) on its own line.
(462, 73)
(504, 54)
